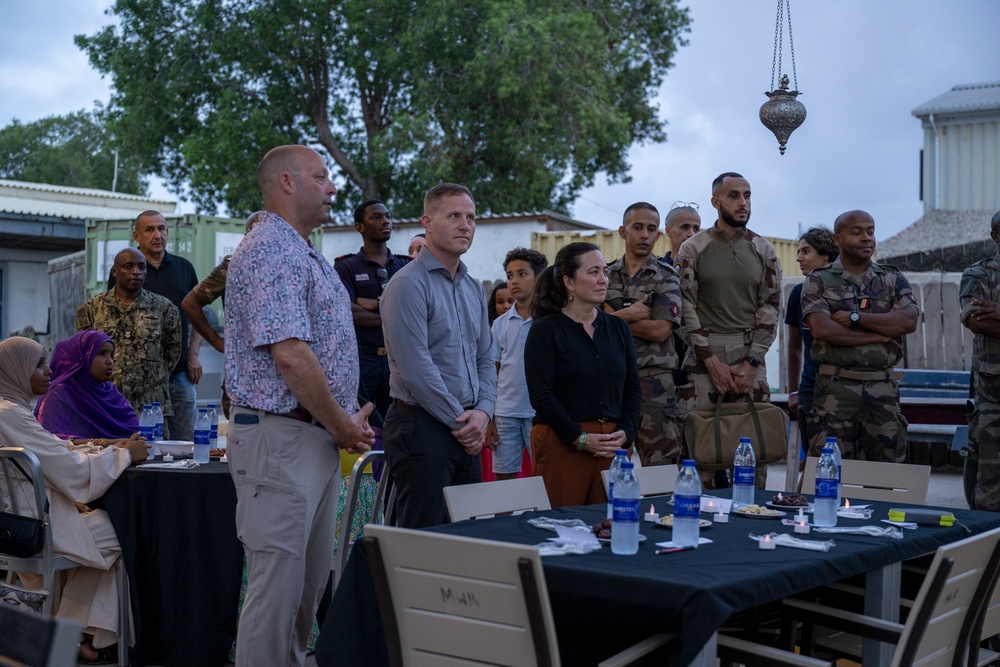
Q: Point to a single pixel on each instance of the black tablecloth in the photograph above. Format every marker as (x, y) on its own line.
(690, 592)
(177, 529)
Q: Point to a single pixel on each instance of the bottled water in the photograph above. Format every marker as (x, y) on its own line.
(147, 428)
(744, 466)
(625, 522)
(213, 420)
(202, 436)
(832, 444)
(621, 455)
(158, 419)
(825, 511)
(687, 506)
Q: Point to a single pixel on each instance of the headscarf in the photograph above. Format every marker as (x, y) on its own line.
(18, 359)
(77, 405)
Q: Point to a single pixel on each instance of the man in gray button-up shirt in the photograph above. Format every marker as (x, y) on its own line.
(443, 376)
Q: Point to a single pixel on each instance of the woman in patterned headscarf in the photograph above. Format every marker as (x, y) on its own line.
(81, 401)
(76, 472)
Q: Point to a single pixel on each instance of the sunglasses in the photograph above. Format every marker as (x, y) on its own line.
(383, 276)
(684, 204)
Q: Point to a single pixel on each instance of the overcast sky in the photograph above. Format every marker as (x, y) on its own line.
(862, 66)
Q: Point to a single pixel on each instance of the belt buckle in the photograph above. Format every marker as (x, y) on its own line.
(380, 351)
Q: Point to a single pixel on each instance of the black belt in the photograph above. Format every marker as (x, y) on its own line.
(298, 414)
(403, 404)
(368, 349)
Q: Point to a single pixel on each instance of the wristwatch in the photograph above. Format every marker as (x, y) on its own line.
(753, 361)
(855, 319)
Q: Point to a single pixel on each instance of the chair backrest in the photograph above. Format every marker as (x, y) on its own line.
(32, 639)
(45, 562)
(876, 480)
(653, 480)
(957, 588)
(478, 501)
(380, 508)
(443, 596)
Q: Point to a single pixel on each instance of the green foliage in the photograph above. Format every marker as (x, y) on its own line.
(76, 150)
(523, 101)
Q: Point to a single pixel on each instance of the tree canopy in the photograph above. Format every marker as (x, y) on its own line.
(76, 150)
(523, 101)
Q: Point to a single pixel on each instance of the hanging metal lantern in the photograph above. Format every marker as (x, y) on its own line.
(782, 113)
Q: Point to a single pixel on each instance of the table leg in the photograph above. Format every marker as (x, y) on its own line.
(881, 601)
(708, 656)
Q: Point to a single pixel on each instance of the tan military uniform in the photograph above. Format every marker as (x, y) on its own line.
(732, 293)
(856, 397)
(661, 428)
(147, 338)
(982, 281)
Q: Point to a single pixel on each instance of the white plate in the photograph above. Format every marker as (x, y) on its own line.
(789, 508)
(777, 515)
(702, 523)
(642, 538)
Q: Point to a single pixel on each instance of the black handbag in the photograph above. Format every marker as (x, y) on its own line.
(22, 536)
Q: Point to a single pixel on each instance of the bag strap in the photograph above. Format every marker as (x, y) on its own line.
(718, 427)
(30, 481)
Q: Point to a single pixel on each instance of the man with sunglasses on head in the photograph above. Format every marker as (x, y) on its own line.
(365, 274)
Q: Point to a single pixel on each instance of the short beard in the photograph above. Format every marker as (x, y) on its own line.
(731, 221)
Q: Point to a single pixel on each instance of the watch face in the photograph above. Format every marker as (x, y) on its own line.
(855, 316)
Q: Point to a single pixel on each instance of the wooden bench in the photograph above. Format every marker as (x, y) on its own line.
(933, 401)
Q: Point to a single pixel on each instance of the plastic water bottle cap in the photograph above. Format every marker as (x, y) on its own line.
(744, 439)
(688, 463)
(828, 450)
(623, 452)
(627, 465)
(831, 440)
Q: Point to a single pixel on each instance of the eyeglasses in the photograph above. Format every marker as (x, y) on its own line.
(383, 276)
(684, 204)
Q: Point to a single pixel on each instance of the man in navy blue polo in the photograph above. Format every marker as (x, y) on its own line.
(365, 274)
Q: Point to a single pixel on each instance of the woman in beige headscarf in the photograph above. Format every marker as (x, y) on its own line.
(76, 472)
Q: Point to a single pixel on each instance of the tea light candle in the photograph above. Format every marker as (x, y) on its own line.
(651, 515)
(223, 459)
(167, 458)
(766, 544)
(802, 527)
(720, 517)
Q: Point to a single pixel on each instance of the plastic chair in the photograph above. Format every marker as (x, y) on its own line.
(876, 480)
(380, 509)
(446, 599)
(487, 499)
(31, 639)
(952, 599)
(47, 563)
(653, 480)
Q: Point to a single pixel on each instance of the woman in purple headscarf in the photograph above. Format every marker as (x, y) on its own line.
(81, 401)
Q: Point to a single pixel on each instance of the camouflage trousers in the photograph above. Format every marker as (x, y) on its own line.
(699, 392)
(863, 415)
(984, 430)
(661, 426)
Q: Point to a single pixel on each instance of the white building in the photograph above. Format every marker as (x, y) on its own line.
(39, 222)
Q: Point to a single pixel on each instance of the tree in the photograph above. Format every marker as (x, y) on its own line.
(524, 101)
(76, 149)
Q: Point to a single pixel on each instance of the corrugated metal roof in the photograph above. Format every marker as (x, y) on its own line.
(63, 201)
(963, 98)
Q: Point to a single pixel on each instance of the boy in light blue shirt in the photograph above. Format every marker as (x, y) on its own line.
(513, 413)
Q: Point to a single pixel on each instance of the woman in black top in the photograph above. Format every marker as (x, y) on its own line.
(582, 378)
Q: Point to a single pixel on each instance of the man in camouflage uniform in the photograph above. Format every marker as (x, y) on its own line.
(731, 284)
(647, 294)
(858, 312)
(980, 294)
(145, 329)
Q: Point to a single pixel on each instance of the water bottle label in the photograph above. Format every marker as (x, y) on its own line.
(611, 491)
(840, 473)
(202, 437)
(626, 510)
(158, 431)
(147, 432)
(687, 506)
(744, 475)
(215, 431)
(826, 488)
